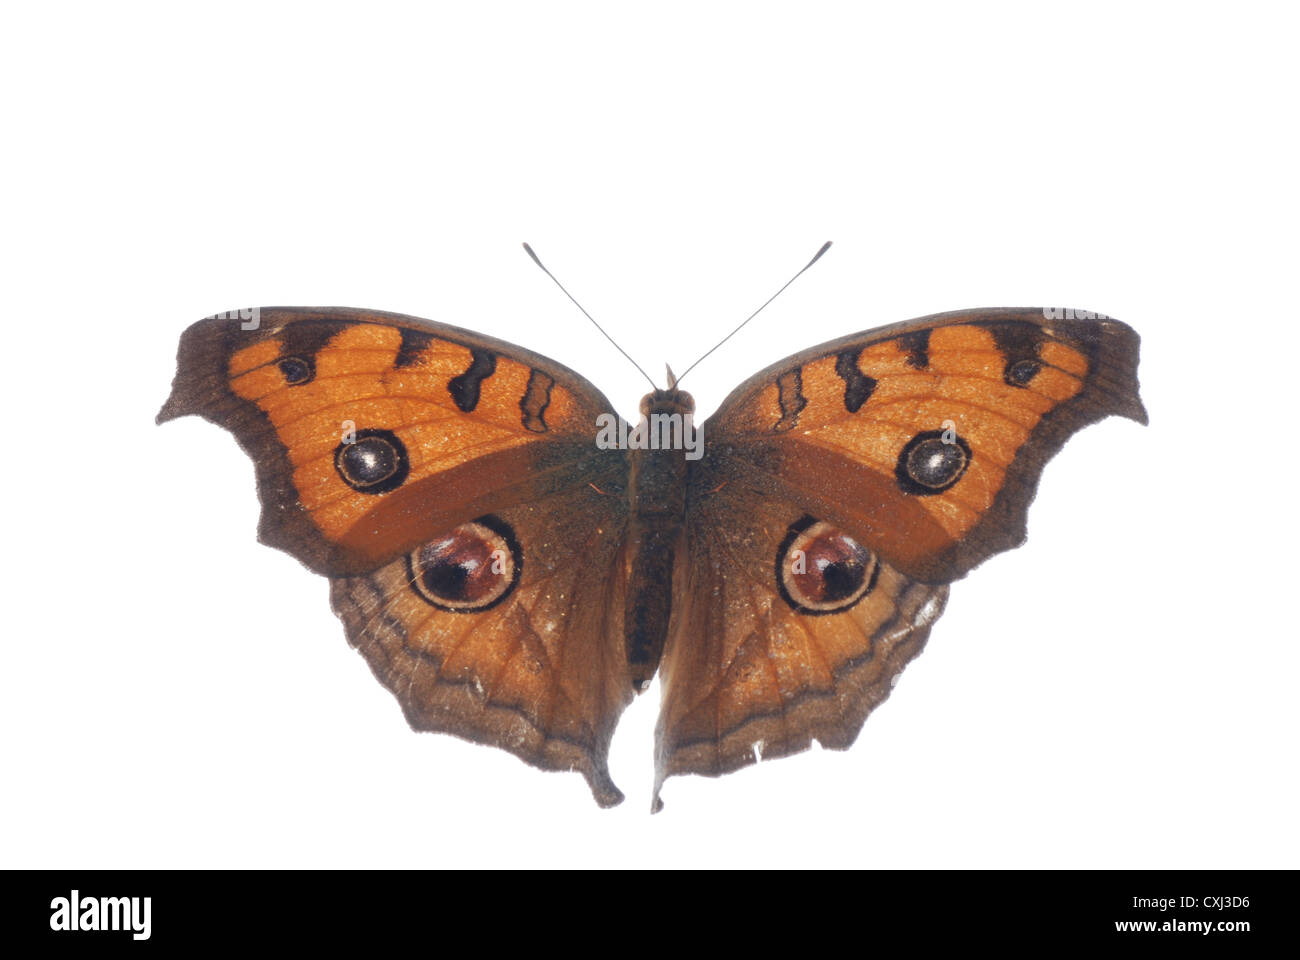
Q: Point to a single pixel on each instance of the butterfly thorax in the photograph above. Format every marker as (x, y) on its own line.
(657, 493)
(658, 480)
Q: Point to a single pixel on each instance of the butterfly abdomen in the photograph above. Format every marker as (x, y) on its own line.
(657, 494)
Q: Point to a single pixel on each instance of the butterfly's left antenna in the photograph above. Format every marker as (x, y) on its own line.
(537, 261)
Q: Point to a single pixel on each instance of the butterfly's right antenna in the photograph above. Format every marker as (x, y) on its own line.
(529, 251)
(817, 256)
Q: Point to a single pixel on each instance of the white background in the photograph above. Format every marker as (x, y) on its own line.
(1118, 693)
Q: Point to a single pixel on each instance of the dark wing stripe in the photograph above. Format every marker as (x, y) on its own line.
(414, 343)
(536, 399)
(464, 389)
(792, 400)
(917, 347)
(857, 385)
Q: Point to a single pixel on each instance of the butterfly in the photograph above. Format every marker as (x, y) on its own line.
(516, 563)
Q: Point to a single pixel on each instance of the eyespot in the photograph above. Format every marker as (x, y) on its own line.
(932, 462)
(820, 569)
(1018, 373)
(296, 371)
(374, 462)
(470, 569)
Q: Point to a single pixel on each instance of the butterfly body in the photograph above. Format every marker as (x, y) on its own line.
(515, 580)
(658, 479)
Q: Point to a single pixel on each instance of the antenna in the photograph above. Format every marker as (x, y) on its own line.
(529, 251)
(817, 256)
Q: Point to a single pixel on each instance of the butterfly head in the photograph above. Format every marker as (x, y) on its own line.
(668, 401)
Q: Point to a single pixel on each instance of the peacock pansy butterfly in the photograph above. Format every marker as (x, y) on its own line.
(515, 571)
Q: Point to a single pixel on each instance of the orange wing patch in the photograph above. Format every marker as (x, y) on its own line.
(435, 407)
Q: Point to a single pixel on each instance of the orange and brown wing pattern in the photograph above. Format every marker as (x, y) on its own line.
(788, 630)
(507, 631)
(926, 438)
(374, 432)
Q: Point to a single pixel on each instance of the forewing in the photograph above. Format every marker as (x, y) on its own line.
(927, 438)
(373, 433)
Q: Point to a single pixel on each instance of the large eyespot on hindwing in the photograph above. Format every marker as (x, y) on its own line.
(820, 569)
(932, 462)
(375, 461)
(470, 569)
